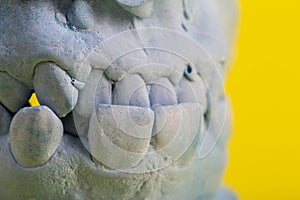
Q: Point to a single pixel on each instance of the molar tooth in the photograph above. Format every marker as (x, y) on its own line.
(175, 128)
(35, 134)
(13, 94)
(5, 119)
(119, 136)
(53, 87)
(163, 93)
(131, 90)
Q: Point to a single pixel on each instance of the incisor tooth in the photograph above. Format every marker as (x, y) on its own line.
(13, 94)
(53, 87)
(131, 90)
(175, 128)
(162, 93)
(119, 136)
(35, 134)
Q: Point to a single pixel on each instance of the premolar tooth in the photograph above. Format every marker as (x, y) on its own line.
(119, 136)
(35, 134)
(13, 94)
(131, 90)
(5, 119)
(53, 87)
(175, 128)
(163, 93)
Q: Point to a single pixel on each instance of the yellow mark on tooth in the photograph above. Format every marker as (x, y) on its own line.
(33, 101)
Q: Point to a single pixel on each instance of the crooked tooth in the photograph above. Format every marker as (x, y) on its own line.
(13, 94)
(131, 90)
(35, 134)
(119, 136)
(5, 119)
(175, 128)
(53, 87)
(163, 93)
(192, 92)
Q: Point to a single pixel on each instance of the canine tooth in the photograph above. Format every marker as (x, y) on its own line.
(103, 91)
(13, 94)
(35, 134)
(192, 92)
(5, 119)
(131, 90)
(54, 89)
(97, 90)
(163, 93)
(175, 128)
(119, 136)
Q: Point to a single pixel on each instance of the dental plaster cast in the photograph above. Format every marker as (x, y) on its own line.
(131, 93)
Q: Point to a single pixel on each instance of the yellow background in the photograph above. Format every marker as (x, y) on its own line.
(263, 85)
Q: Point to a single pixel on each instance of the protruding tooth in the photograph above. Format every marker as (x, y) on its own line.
(5, 119)
(119, 136)
(192, 92)
(163, 93)
(53, 87)
(13, 94)
(175, 129)
(35, 134)
(131, 90)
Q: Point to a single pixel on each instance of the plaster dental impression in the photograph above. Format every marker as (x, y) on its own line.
(132, 102)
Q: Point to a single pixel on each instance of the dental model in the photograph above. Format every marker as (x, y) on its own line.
(131, 93)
